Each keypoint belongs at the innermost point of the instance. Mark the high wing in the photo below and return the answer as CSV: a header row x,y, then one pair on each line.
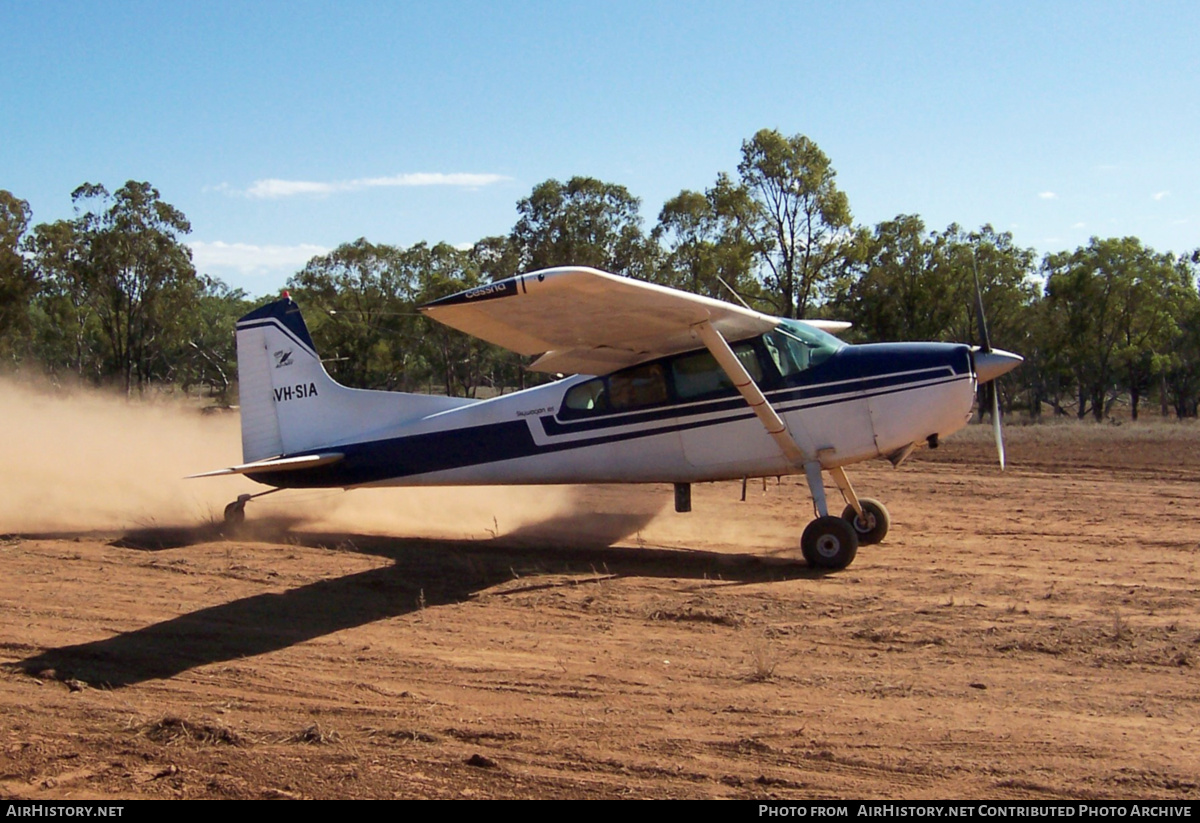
x,y
585,321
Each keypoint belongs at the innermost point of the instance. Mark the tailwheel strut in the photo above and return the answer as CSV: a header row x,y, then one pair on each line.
x,y
235,512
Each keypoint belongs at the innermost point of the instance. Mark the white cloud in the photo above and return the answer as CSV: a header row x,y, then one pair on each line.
x,y
271,189
1079,225
1159,195
249,259
1047,195
274,188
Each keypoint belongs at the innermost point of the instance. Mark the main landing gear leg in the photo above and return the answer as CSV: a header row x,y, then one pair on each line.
x,y
828,542
235,512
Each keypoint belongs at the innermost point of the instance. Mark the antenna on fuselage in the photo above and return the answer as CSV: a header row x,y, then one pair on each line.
x,y
731,291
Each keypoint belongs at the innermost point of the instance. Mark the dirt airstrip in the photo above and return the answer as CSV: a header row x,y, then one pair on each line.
x,y
1030,634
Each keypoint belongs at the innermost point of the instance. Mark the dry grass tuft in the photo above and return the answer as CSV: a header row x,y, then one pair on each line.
x,y
764,659
171,730
314,735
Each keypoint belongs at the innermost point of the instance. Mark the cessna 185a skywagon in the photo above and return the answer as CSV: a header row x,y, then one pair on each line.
x,y
669,387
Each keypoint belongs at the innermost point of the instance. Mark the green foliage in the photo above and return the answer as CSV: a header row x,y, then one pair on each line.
x,y
360,307
1113,310
118,287
18,280
789,206
583,223
704,246
206,350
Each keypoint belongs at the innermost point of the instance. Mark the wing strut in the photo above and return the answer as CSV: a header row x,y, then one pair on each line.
x,y
772,422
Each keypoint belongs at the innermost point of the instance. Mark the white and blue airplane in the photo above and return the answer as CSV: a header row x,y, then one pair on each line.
x,y
668,387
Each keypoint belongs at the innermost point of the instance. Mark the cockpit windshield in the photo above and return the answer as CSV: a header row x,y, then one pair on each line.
x,y
797,346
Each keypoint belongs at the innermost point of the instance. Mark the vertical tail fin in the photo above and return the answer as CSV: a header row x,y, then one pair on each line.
x,y
290,403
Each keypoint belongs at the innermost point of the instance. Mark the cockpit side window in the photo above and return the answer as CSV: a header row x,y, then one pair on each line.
x,y
699,375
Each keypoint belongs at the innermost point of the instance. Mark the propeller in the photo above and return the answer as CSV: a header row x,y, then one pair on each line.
x,y
989,364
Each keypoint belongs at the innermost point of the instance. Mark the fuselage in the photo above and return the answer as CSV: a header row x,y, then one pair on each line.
x,y
675,419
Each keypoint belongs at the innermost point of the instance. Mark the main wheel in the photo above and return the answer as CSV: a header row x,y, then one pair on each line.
x,y
872,527
829,543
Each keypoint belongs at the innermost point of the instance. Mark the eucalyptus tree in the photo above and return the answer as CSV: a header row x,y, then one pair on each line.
x,y
1114,307
459,363
702,246
18,281
897,288
788,203
584,222
121,278
1179,382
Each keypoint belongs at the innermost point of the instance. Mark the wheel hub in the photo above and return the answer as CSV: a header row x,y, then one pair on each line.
x,y
864,522
828,546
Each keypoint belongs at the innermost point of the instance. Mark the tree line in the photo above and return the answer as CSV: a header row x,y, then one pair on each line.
x,y
111,296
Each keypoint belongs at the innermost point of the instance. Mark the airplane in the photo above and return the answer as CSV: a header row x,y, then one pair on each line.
x,y
667,387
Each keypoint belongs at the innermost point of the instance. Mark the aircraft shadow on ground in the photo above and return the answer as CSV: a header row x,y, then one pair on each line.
x,y
423,573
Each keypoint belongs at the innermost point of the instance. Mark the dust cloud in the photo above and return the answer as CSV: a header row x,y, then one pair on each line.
x,y
90,461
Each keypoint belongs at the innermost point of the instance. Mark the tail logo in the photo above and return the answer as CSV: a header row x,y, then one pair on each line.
x,y
283,358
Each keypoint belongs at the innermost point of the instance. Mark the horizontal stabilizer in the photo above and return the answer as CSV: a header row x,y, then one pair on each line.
x,y
278,464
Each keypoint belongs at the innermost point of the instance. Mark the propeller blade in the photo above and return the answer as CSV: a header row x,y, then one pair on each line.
x,y
985,343
996,430
990,364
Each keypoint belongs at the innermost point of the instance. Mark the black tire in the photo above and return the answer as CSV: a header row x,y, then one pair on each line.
x,y
235,514
829,543
878,521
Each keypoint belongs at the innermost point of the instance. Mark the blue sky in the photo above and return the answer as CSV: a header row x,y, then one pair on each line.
x,y
284,129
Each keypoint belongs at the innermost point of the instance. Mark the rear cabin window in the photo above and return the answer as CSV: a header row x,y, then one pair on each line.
x,y
637,387
587,397
626,390
693,376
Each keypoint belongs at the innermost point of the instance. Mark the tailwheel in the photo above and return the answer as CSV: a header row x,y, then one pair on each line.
x,y
872,527
235,512
829,543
